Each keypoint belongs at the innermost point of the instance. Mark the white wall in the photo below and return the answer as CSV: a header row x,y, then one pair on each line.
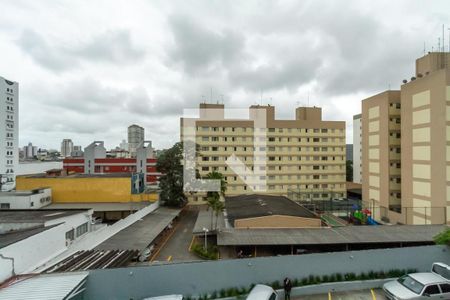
x,y
357,151
33,251
20,201
38,249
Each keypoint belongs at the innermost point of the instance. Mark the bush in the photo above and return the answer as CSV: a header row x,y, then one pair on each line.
x,y
211,253
443,238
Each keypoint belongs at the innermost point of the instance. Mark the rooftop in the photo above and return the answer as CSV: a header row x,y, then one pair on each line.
x,y
327,236
15,236
101,206
141,233
251,206
22,192
79,175
36,216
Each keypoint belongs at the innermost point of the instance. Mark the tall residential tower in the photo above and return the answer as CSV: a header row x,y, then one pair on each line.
x,y
406,147
9,120
136,135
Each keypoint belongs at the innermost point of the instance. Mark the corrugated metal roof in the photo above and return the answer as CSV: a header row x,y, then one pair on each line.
x,y
338,235
45,287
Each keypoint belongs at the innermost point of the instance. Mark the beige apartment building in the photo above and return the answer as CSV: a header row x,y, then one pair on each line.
x,y
303,158
406,147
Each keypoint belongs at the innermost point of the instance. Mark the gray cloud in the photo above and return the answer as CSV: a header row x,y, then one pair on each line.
x,y
111,46
199,49
91,80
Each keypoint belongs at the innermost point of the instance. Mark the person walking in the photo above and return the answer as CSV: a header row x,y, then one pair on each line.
x,y
287,288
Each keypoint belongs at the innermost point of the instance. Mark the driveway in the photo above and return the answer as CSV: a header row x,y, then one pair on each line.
x,y
176,247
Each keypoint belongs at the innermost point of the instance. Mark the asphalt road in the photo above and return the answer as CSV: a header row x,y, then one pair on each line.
x,y
176,248
352,295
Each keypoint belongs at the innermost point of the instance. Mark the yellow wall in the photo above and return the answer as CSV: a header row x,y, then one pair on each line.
x,y
69,189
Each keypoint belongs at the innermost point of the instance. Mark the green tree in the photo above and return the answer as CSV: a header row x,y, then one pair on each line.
x,y
218,208
213,197
349,170
171,182
443,238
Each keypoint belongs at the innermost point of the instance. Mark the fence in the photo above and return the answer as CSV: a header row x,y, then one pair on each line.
x,y
207,277
408,215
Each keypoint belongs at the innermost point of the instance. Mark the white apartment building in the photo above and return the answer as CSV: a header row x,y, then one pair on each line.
x,y
9,120
136,135
357,163
66,147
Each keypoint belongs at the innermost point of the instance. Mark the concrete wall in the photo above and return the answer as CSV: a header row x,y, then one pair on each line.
x,y
70,189
22,201
357,149
277,221
198,278
33,251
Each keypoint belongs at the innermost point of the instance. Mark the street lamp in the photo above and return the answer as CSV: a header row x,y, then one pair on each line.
x,y
206,232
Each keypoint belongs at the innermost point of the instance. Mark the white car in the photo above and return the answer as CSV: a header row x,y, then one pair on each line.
x,y
415,286
262,292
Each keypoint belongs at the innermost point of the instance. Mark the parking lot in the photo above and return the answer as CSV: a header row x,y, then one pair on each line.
x,y
375,294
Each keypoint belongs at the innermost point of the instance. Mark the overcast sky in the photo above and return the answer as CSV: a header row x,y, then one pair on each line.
x,y
88,69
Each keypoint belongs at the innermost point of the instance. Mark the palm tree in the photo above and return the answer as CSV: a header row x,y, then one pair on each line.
x,y
218,208
213,198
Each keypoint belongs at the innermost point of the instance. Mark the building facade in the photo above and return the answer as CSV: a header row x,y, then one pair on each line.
x,y
9,118
357,173
66,147
406,147
30,151
303,158
381,152
136,135
95,161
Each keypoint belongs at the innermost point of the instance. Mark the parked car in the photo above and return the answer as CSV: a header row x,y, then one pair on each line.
x,y
427,285
262,292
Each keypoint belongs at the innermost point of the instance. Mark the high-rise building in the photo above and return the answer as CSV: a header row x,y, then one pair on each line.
x,y
357,174
66,147
30,151
406,147
9,119
136,135
303,158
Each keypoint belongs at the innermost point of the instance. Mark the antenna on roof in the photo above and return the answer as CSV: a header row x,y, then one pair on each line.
x,y
424,48
443,39
210,98
308,98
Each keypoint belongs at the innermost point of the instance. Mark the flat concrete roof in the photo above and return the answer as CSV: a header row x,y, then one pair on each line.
x,y
141,233
323,236
78,175
36,215
100,206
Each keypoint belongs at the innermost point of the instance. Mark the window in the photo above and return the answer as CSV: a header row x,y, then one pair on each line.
x,y
5,205
82,229
445,287
431,290
205,168
70,235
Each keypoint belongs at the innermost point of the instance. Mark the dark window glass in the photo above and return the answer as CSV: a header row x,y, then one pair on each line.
x,y
431,290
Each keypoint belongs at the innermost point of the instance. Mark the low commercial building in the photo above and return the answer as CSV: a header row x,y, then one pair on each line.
x,y
95,161
32,199
90,188
30,238
267,211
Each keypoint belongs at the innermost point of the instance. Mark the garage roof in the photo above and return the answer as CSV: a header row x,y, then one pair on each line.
x,y
255,205
338,235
